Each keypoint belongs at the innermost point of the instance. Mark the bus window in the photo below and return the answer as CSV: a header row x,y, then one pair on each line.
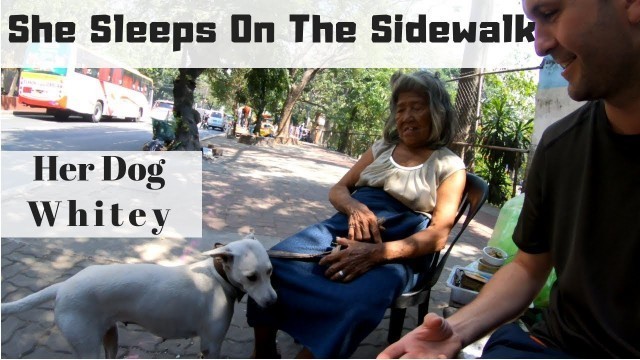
x,y
103,74
116,76
127,81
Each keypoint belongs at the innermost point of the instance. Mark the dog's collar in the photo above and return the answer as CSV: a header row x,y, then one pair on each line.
x,y
217,264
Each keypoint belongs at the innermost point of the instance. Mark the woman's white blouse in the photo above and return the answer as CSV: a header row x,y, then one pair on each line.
x,y
416,186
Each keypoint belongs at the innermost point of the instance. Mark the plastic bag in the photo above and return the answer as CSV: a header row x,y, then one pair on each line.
x,y
502,238
162,130
542,300
506,223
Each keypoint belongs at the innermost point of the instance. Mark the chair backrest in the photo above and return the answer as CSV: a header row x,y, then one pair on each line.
x,y
476,192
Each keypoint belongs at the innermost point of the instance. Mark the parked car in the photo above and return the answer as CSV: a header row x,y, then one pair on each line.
x,y
162,110
216,120
162,121
167,104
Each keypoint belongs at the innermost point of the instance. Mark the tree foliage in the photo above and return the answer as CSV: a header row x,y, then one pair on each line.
x,y
298,81
354,102
162,81
228,88
266,89
507,121
355,105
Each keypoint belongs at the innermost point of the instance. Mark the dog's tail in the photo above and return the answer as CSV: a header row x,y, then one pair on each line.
x,y
31,301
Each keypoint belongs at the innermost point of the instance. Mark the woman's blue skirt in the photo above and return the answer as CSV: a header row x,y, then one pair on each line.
x,y
332,318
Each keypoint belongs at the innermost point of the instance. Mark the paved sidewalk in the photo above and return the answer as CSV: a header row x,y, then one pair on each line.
x,y
273,190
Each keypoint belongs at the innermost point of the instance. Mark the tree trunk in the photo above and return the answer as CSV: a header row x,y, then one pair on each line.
x,y
292,97
186,117
13,89
326,130
258,123
236,105
316,132
260,108
345,140
516,169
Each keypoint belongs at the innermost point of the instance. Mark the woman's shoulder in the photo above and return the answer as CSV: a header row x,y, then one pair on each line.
x,y
446,153
380,146
445,156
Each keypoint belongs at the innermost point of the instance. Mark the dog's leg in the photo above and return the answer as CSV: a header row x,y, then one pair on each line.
x,y
83,333
211,344
110,342
210,350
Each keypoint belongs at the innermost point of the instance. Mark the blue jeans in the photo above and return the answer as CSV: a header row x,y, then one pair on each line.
x,y
511,342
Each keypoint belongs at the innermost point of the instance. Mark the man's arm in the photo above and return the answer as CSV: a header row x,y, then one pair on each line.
x,y
503,298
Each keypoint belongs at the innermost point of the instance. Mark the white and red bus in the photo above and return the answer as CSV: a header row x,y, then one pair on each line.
x,y
95,93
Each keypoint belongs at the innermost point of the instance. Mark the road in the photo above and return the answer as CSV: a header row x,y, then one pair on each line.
x,y
36,132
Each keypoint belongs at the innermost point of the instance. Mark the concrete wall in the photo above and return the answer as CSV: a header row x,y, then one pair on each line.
x,y
552,100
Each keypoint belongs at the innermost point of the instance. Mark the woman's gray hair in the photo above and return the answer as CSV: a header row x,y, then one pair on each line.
x,y
444,122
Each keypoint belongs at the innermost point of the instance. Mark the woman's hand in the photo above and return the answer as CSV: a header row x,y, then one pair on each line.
x,y
434,339
352,261
363,225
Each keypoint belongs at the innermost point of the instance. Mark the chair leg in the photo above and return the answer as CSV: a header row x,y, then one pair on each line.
x,y
423,308
396,323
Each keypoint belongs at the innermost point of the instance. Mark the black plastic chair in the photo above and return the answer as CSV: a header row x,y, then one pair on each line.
x,y
475,194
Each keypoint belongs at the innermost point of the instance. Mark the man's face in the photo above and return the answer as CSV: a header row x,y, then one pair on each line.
x,y
592,40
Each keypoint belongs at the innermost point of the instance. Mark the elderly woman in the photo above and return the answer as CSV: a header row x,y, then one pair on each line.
x,y
385,201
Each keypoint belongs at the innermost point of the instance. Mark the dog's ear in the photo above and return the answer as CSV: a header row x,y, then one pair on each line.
x,y
223,252
217,245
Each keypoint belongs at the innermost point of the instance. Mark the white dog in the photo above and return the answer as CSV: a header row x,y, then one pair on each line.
x,y
171,302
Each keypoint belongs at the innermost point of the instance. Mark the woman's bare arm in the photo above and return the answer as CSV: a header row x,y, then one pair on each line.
x,y
363,224
359,257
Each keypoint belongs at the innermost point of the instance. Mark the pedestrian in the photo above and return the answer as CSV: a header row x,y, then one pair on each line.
x,y
246,115
410,179
203,123
580,212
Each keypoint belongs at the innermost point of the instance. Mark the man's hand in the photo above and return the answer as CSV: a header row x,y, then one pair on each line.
x,y
433,339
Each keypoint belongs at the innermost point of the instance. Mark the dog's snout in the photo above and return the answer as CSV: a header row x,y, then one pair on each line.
x,y
270,299
273,299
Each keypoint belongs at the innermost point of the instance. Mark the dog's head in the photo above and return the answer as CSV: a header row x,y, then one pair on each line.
x,y
247,266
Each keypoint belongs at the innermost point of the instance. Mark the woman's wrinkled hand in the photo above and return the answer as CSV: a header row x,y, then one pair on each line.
x,y
433,339
364,225
353,260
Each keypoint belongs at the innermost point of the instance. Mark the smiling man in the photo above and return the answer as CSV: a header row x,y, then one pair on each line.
x,y
580,212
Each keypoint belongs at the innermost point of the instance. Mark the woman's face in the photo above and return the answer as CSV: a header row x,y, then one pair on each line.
x,y
413,119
